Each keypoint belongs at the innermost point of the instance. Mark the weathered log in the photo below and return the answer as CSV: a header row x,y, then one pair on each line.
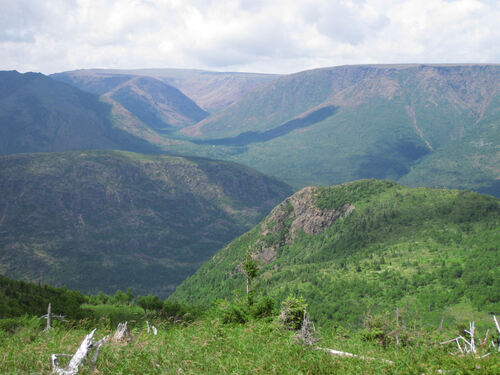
x,y
347,354
151,328
97,347
80,355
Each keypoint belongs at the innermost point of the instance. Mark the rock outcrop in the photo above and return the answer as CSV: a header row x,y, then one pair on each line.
x,y
296,214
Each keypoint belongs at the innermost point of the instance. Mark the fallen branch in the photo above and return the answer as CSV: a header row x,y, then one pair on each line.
x,y
347,354
98,346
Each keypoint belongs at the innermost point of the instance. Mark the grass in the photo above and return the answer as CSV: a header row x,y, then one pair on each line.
x,y
208,346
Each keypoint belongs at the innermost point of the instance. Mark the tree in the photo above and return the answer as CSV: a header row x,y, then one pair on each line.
x,y
250,270
120,298
130,296
150,302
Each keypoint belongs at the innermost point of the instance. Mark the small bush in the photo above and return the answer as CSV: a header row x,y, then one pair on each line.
x,y
263,308
231,312
11,325
292,313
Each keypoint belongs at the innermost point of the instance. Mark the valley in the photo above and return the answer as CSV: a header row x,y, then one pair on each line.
x,y
108,220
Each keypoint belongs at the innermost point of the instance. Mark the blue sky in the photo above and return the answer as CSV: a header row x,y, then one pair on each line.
x,y
279,36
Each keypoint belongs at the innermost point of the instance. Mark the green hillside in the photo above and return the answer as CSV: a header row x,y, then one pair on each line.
x,y
384,120
103,220
367,247
469,162
422,125
39,114
157,104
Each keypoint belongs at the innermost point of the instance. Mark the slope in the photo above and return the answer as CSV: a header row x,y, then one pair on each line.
x,y
469,162
103,220
160,106
212,91
40,114
338,124
367,247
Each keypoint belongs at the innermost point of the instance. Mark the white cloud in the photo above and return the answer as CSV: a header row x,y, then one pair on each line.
x,y
243,35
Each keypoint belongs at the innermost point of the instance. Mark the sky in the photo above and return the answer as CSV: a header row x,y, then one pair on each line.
x,y
273,36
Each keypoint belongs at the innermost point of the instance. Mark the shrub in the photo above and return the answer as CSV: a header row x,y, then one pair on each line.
x,y
292,313
263,308
231,312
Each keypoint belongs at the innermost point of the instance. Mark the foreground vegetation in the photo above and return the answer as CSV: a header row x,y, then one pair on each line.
x,y
397,272
216,344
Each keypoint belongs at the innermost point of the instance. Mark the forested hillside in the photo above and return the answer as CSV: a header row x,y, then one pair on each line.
x,y
428,125
105,220
366,247
39,114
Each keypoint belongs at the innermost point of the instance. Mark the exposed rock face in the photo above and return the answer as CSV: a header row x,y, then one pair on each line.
x,y
295,214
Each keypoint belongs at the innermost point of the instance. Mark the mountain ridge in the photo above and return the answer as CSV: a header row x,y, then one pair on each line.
x,y
127,219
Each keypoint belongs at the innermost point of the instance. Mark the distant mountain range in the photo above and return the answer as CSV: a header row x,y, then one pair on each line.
x,y
366,248
212,91
103,220
430,125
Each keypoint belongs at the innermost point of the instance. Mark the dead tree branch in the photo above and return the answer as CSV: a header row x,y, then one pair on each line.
x,y
121,333
49,316
80,355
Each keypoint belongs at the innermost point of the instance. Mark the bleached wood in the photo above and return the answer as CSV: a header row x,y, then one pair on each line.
x,y
347,354
498,329
97,347
496,323
76,359
121,332
49,316
48,327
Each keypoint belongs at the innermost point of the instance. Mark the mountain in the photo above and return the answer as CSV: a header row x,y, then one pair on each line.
x,y
103,220
39,114
366,247
160,106
471,161
333,125
212,91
